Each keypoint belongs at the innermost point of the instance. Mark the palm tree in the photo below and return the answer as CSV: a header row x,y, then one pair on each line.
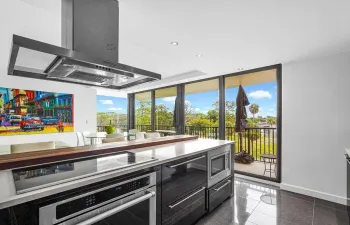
x,y
271,120
254,109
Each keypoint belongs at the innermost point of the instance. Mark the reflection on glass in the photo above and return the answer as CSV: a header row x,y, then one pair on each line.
x,y
217,165
42,171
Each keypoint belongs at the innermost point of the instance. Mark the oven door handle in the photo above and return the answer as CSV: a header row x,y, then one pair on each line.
x,y
191,160
224,185
111,212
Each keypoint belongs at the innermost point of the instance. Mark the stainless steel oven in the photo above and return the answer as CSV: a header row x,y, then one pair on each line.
x,y
132,201
219,164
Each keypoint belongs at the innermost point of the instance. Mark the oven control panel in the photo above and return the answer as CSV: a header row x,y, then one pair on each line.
x,y
78,204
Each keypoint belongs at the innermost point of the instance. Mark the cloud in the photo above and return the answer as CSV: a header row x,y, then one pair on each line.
x,y
260,94
170,99
187,102
114,109
106,102
271,109
197,109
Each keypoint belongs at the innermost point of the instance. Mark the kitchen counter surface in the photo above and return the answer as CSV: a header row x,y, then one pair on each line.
x,y
31,158
104,170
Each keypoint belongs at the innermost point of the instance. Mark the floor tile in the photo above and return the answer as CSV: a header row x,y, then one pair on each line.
x,y
330,204
296,195
246,203
331,216
248,193
248,207
262,219
267,209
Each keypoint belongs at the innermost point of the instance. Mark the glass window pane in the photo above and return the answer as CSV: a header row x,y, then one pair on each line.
x,y
112,111
165,106
202,109
259,137
143,106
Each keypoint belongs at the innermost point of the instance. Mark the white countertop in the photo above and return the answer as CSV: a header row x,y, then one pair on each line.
x,y
164,153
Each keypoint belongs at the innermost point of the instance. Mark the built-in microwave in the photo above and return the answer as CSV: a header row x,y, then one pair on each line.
x,y
219,164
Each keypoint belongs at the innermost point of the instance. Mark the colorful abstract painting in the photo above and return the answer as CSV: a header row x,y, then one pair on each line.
x,y
35,112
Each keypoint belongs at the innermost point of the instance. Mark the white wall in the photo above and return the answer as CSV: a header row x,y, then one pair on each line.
x,y
316,126
41,20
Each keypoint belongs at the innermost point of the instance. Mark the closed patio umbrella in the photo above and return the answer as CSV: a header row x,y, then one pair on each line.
x,y
174,114
241,112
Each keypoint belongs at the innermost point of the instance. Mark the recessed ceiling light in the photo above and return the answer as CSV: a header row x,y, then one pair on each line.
x,y
199,55
174,43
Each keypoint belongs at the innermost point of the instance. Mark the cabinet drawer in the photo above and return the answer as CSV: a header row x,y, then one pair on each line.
x,y
182,176
185,210
219,193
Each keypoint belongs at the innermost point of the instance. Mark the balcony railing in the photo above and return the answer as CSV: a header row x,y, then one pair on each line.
x,y
256,141
103,128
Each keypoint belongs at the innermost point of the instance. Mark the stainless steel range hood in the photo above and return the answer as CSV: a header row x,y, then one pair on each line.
x,y
89,56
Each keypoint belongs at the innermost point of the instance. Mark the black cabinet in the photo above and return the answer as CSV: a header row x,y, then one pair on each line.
x,y
219,193
185,210
183,176
184,190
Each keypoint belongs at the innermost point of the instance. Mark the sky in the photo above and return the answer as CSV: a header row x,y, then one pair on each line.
x,y
262,94
265,95
111,104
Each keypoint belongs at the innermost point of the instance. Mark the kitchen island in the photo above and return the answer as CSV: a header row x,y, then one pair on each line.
x,y
179,171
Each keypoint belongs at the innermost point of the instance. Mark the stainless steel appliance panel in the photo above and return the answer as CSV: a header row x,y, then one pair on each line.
x,y
219,164
133,200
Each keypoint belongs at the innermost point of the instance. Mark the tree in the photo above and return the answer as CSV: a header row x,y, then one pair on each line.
x,y
254,109
230,110
200,123
164,117
107,118
213,115
271,120
143,112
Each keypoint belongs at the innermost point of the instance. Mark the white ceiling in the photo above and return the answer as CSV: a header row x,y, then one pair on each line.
x,y
230,34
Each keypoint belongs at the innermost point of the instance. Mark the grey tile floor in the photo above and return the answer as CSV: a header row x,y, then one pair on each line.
x,y
260,204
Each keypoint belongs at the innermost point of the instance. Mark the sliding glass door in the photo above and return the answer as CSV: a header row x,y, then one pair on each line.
x,y
208,108
256,145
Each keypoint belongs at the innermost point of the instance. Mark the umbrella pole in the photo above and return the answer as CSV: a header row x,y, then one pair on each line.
x,y
240,142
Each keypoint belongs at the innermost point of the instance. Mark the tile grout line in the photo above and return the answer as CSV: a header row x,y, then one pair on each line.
x,y
313,212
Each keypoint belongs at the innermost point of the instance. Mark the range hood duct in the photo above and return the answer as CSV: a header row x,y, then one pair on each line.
x,y
89,52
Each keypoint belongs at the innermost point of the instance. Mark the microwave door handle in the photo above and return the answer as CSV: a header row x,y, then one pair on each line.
x,y
224,185
117,209
191,160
